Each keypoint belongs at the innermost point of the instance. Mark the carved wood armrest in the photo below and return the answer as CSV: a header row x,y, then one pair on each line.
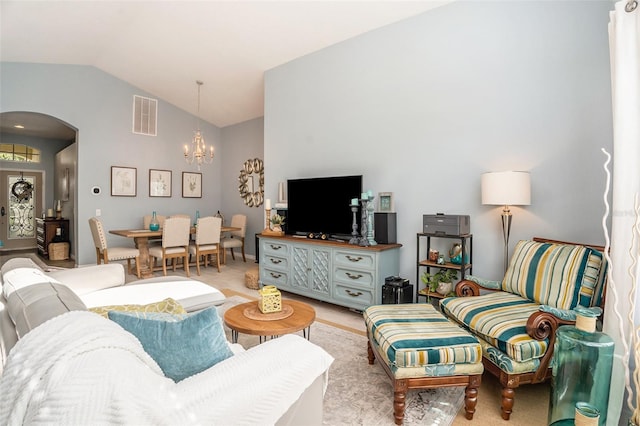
x,y
467,288
541,326
471,288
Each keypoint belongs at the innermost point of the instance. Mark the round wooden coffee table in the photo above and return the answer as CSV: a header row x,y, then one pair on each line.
x,y
243,319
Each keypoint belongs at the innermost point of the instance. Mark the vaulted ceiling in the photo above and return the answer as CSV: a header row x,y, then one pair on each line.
x,y
163,47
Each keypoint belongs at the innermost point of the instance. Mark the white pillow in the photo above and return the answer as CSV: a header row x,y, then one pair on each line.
x,y
23,277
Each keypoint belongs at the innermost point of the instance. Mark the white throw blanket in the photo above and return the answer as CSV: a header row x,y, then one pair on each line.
x,y
80,368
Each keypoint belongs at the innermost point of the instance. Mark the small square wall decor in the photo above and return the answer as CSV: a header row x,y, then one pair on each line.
x,y
159,183
385,201
191,185
124,181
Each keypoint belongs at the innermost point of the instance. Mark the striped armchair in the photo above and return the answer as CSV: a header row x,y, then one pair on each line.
x,y
515,319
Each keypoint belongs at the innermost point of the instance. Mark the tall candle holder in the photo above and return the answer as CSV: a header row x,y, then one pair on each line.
x,y
370,230
354,226
364,228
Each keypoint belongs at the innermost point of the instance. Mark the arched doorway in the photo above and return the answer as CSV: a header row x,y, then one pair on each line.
x,y
56,142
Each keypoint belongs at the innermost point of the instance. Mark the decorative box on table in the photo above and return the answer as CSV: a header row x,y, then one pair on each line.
x,y
270,299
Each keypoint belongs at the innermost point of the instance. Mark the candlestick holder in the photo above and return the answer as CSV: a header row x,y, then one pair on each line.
x,y
267,226
354,226
370,225
364,227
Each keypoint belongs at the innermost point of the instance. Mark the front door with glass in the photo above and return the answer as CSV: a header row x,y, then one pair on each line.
x,y
20,203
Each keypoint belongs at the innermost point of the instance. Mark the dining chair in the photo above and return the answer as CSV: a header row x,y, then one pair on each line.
x,y
207,241
104,254
175,244
235,238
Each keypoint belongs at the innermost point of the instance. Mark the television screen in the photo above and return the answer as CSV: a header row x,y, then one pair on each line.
x,y
322,205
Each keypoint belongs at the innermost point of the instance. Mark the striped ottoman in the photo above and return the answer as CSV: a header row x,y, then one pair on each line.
x,y
419,348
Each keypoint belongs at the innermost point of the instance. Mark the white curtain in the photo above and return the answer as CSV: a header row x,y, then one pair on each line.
x,y
622,309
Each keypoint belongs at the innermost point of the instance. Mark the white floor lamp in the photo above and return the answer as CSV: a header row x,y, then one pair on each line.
x,y
506,189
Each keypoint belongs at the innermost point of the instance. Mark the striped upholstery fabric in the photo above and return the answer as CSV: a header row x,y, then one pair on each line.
x,y
499,318
557,275
416,336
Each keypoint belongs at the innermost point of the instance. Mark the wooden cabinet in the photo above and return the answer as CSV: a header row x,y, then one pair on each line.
x,y
334,272
425,264
47,231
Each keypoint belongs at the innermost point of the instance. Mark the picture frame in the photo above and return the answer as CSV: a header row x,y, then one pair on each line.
x,y
124,181
385,202
191,185
159,183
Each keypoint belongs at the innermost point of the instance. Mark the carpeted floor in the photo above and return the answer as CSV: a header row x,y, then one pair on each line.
x,y
361,394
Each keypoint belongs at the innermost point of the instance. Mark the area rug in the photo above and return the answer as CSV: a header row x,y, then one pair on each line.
x,y
359,393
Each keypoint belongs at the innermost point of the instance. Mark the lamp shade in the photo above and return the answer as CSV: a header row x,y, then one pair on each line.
x,y
506,188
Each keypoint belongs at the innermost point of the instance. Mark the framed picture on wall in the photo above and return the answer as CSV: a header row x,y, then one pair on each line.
x,y
159,183
124,181
191,185
385,201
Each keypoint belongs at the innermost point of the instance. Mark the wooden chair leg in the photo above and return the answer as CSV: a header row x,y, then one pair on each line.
x,y
198,262
218,260
233,255
244,259
98,257
164,267
507,402
186,264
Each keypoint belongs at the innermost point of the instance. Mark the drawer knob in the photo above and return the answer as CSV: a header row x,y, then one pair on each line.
x,y
276,276
276,261
354,259
275,247
354,277
353,294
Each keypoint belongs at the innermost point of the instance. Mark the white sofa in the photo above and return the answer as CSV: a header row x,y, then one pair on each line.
x,y
86,369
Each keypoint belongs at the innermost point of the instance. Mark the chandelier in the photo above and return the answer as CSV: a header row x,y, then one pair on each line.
x,y
198,153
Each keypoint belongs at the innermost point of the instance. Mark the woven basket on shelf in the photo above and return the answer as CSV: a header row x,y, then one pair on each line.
x,y
58,251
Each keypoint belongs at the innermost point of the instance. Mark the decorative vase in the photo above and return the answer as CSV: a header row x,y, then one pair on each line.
x,y
581,374
154,225
444,288
277,228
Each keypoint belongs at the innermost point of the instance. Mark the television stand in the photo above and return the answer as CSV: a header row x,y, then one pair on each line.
x,y
331,271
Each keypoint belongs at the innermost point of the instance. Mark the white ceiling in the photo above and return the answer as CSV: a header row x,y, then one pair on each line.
x,y
163,47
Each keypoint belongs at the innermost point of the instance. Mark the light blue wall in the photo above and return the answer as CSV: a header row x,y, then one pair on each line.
x,y
100,107
242,142
423,107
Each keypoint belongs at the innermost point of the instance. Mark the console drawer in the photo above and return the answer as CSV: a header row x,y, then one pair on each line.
x,y
274,277
351,259
353,297
276,248
275,262
353,276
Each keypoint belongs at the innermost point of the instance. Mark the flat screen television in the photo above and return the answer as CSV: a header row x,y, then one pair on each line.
x,y
322,205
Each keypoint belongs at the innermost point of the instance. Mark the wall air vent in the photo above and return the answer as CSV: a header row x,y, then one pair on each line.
x,y
145,115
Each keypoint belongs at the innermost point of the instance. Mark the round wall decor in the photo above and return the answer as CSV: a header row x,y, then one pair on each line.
x,y
251,182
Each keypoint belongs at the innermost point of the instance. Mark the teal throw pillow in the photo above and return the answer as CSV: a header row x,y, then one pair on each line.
x,y
181,344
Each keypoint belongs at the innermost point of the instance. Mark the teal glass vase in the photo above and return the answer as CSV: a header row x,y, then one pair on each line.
x,y
581,372
154,225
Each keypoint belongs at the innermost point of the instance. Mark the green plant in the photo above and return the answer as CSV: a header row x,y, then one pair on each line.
x,y
442,276
276,219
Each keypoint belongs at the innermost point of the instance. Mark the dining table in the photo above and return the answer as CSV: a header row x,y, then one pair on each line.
x,y
141,239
